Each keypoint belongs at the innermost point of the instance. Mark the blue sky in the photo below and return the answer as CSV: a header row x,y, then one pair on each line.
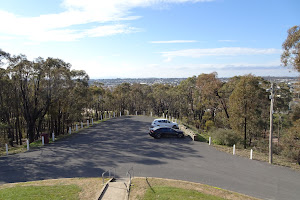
x,y
152,38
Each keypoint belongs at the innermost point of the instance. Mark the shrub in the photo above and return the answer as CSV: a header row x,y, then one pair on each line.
x,y
225,137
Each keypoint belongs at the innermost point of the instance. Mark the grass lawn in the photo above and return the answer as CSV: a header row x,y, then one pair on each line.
x,y
65,189
163,192
161,189
41,192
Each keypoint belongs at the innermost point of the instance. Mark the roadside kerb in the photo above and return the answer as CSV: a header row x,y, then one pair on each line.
x,y
102,192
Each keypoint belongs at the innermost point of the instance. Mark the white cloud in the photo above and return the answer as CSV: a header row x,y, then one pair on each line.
x,y
173,41
57,26
225,51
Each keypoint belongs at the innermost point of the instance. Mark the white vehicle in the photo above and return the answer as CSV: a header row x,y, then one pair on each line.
x,y
164,123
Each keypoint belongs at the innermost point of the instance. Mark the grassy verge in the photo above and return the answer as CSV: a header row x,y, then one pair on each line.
x,y
257,155
73,188
277,159
38,143
156,188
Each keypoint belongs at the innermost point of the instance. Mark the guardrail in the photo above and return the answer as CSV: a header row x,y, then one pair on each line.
x,y
109,173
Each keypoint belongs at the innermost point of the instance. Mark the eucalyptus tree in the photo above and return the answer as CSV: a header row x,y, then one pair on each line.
x,y
291,48
246,108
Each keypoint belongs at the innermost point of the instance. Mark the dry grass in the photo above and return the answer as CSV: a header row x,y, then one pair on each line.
x,y
90,187
277,160
141,185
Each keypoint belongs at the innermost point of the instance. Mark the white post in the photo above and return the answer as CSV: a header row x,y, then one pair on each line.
x,y
209,141
101,117
105,115
127,112
163,115
175,120
144,113
120,114
87,123
135,112
81,125
170,118
27,142
6,147
251,154
151,114
43,140
109,115
233,150
92,121
53,137
114,114
70,130
76,127
166,116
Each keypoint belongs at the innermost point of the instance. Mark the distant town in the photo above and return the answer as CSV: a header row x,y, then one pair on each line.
x,y
176,81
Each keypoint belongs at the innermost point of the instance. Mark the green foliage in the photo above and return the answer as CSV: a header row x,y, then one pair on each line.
x,y
63,192
291,47
225,137
164,193
291,142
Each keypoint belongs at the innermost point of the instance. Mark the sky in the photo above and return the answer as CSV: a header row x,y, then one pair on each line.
x,y
152,38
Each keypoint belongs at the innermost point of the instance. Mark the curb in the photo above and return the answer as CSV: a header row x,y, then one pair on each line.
x,y
102,192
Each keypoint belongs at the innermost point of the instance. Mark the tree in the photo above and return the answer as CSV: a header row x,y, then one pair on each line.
x,y
246,108
291,47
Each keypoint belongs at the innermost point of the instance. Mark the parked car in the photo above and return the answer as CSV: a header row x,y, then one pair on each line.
x,y
164,123
158,132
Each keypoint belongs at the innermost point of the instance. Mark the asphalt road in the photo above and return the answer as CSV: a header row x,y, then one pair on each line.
x,y
124,143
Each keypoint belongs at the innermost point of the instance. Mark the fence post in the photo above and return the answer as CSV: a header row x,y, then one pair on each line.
x,y
81,125
87,123
209,141
70,130
233,150
27,142
251,154
6,148
43,140
76,127
53,137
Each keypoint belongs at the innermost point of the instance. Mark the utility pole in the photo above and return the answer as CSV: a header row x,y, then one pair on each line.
x,y
271,125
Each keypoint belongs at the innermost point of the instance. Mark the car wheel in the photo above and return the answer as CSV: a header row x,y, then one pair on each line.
x,y
158,136
180,135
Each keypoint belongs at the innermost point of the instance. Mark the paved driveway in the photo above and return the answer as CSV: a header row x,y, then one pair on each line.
x,y
124,143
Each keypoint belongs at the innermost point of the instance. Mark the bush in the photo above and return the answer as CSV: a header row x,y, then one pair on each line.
x,y
225,137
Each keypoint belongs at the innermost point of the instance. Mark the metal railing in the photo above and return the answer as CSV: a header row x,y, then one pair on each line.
x,y
130,173
109,173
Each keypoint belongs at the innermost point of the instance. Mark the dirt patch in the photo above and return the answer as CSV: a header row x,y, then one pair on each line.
x,y
90,187
141,185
